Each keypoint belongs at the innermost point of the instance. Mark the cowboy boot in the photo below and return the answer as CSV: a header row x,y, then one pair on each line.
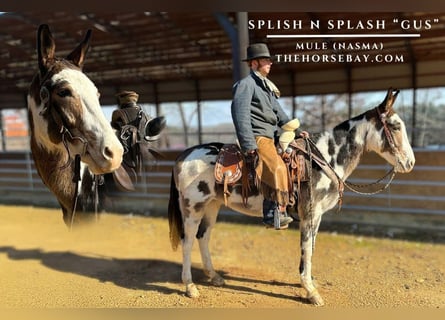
x,y
274,218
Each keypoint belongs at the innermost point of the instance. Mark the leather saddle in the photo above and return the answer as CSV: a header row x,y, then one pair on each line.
x,y
136,132
228,167
231,166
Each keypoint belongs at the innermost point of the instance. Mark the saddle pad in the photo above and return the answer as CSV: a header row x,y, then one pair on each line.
x,y
229,164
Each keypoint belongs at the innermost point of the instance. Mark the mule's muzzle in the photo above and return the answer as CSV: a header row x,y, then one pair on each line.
x,y
405,166
104,159
409,165
112,158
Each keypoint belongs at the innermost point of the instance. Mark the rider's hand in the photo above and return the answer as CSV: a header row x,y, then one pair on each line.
x,y
304,134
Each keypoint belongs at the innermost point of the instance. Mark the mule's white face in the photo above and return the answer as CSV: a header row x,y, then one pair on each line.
x,y
70,102
400,155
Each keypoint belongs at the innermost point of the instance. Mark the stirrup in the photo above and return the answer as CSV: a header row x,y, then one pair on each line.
x,y
277,220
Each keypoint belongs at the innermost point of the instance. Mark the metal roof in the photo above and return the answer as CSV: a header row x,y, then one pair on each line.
x,y
180,56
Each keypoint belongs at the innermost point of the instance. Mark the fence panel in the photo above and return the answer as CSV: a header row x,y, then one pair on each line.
x,y
413,200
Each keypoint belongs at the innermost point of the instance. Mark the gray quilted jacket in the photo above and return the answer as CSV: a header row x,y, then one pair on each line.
x,y
255,111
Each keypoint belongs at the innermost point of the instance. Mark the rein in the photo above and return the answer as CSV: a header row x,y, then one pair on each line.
x,y
64,131
332,174
352,186
76,180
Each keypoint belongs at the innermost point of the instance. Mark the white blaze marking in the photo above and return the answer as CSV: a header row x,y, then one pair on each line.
x,y
87,91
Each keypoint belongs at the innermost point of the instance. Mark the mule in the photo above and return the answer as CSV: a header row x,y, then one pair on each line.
x,y
195,198
70,137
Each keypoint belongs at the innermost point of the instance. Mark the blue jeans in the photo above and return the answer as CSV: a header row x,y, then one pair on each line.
x,y
269,207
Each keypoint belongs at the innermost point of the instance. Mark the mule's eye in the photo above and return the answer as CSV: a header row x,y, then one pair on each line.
x,y
64,93
394,126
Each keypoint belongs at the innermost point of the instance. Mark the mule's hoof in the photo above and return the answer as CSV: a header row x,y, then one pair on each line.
x,y
218,281
191,291
315,298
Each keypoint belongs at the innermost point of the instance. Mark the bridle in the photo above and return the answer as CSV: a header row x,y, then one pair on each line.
x,y
64,131
310,144
352,186
389,137
65,136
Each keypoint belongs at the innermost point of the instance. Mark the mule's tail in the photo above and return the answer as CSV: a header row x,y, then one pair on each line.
x,y
175,222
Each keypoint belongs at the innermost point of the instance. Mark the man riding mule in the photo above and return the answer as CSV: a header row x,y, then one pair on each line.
x,y
333,155
257,116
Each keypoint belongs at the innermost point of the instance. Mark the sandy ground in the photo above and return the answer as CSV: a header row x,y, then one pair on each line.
x,y
126,261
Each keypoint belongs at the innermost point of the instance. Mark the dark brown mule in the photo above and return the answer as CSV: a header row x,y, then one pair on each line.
x,y
70,136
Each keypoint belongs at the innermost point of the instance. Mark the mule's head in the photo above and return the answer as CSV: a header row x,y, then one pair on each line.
x,y
65,113
389,139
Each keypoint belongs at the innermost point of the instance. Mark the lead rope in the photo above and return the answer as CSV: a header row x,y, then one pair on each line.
x,y
76,179
76,176
96,196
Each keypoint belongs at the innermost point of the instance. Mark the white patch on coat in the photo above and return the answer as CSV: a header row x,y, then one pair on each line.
x,y
40,128
104,151
323,145
361,126
83,168
407,150
94,118
404,159
195,169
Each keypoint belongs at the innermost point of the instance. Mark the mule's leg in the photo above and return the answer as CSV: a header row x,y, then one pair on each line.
x,y
204,232
190,230
309,228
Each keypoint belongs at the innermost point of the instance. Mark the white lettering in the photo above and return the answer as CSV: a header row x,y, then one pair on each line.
x,y
358,25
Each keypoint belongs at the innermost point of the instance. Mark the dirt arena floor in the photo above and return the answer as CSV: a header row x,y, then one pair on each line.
x,y
125,261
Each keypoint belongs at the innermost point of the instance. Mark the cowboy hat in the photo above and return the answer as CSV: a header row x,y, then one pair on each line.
x,y
256,51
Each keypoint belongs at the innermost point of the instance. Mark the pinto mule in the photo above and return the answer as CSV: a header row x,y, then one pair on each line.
x,y
71,139
195,198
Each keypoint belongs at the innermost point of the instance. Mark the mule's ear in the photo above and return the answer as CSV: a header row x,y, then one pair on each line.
x,y
45,48
390,99
77,56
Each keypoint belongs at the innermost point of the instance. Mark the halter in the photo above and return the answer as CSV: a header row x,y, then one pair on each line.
x,y
388,134
45,98
353,186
